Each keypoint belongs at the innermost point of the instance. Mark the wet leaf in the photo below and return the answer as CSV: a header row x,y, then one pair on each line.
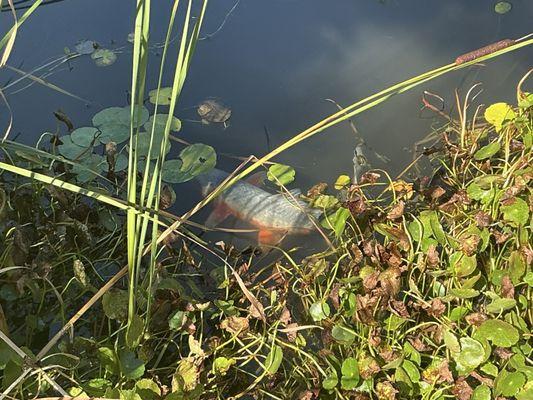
x,y
274,359
281,174
319,311
84,136
487,151
499,332
498,113
131,366
516,211
104,57
502,7
194,160
161,97
222,365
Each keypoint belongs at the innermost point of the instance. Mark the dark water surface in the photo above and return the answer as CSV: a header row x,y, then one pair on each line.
x,y
274,63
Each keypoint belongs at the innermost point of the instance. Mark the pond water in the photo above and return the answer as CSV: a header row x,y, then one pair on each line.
x,y
274,63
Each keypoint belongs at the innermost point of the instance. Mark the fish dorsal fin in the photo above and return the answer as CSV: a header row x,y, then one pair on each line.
x,y
257,179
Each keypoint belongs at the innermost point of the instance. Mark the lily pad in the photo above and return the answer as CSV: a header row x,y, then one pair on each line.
x,y
503,7
104,57
281,174
160,123
499,332
107,116
143,145
113,132
161,97
89,167
71,150
85,47
194,160
84,136
141,115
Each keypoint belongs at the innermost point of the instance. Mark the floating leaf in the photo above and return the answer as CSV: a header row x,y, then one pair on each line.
x,y
107,116
281,174
343,335
487,151
162,97
161,121
85,47
84,136
131,37
143,146
319,311
140,116
342,182
497,113
273,360
517,211
104,57
88,168
503,7
71,150
499,332
131,366
509,383
194,160
113,132
350,374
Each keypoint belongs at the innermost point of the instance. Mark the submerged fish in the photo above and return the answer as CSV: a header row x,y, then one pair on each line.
x,y
275,215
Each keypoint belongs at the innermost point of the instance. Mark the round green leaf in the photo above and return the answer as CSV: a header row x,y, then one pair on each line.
x,y
350,374
274,359
222,365
121,163
487,151
503,7
281,174
71,150
517,211
509,383
89,167
84,136
160,123
85,47
141,115
113,132
162,97
108,360
104,57
499,305
131,366
143,145
107,116
497,113
194,160
331,381
481,392
499,332
319,311
471,355
342,181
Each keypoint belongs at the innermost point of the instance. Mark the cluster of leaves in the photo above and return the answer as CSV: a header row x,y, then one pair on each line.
x,y
111,128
